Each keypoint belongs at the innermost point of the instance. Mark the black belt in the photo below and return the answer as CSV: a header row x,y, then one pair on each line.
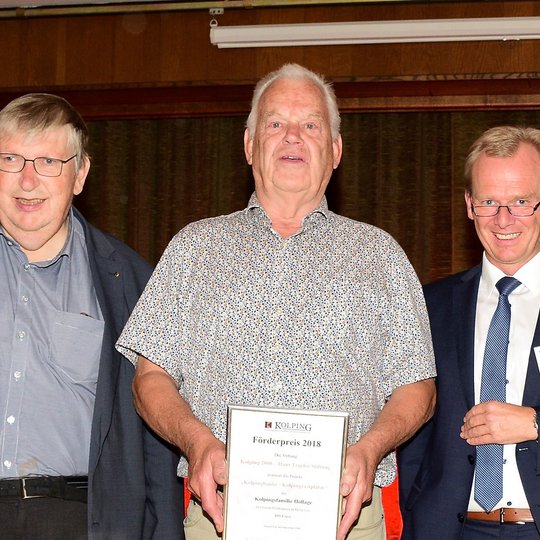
x,y
73,488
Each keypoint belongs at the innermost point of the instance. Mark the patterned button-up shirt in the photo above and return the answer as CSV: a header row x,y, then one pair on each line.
x,y
332,318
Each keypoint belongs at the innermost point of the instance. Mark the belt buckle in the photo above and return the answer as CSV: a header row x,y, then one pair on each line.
x,y
501,519
23,494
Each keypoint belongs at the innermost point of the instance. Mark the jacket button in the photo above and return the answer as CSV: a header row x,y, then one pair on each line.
x,y
461,517
470,457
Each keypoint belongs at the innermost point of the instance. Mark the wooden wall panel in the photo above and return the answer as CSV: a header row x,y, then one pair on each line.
x,y
89,46
173,48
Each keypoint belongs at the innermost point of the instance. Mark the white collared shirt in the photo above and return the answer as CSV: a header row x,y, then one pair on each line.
x,y
525,302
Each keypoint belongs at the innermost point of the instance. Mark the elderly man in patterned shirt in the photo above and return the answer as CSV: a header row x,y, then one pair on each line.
x,y
284,304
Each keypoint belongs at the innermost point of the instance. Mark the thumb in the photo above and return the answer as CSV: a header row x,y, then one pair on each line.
x,y
220,472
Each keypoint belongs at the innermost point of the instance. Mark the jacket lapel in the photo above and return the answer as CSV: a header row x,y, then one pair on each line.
x,y
465,298
531,393
109,293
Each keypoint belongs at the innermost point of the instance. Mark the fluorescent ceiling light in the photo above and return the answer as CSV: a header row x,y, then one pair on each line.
x,y
346,33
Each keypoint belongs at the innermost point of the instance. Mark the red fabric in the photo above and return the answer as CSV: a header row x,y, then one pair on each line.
x,y
391,511
390,504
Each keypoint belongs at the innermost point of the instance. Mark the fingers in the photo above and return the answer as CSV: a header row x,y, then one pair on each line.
x,y
481,424
351,508
207,473
356,488
500,423
213,506
219,471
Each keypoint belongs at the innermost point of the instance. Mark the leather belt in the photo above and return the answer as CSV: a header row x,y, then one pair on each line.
x,y
504,515
73,488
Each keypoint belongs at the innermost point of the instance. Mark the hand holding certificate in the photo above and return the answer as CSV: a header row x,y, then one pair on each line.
x,y
284,473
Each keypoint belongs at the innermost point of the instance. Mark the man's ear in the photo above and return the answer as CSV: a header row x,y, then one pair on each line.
x,y
81,175
337,148
248,146
468,202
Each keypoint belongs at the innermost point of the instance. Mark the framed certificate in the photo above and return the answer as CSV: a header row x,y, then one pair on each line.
x,y
285,470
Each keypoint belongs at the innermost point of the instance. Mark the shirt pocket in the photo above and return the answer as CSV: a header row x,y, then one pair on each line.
x,y
75,346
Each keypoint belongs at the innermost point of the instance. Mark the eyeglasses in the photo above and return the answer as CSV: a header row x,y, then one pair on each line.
x,y
46,166
515,210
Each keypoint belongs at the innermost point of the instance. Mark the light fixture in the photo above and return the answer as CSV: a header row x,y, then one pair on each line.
x,y
345,33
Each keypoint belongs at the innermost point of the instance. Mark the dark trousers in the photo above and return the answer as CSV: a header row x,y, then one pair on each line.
x,y
482,530
43,518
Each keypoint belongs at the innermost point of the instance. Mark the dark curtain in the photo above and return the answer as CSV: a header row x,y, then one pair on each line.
x,y
400,171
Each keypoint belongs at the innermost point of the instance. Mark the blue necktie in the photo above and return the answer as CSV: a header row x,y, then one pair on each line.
x,y
488,489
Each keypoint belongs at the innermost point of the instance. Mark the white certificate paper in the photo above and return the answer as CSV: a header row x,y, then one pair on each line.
x,y
285,469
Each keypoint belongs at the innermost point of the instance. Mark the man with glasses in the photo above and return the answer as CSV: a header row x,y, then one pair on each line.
x,y
76,461
473,472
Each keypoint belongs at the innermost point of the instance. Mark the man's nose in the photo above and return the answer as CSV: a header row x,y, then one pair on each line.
x,y
504,217
29,179
293,133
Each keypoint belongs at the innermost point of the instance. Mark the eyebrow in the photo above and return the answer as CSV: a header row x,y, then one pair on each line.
x,y
316,115
531,196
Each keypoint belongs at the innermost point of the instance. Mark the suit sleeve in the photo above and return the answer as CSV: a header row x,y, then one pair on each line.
x,y
162,481
409,457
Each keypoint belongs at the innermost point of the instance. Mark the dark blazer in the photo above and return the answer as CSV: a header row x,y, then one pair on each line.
x,y
133,490
436,466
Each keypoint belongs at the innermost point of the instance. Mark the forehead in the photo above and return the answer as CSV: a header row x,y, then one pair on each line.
x,y
55,139
293,94
523,165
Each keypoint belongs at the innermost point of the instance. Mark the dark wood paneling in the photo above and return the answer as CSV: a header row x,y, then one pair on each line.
x,y
173,48
186,101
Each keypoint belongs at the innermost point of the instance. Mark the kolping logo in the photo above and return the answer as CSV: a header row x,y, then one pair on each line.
x,y
287,426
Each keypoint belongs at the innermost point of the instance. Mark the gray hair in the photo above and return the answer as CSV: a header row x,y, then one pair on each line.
x,y
35,113
501,141
295,72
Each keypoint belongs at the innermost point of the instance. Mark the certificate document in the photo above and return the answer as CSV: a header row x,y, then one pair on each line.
x,y
284,473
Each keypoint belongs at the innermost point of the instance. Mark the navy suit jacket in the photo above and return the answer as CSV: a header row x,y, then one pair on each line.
x,y
133,490
436,466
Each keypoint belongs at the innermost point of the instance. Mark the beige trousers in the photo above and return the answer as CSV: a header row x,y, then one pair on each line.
x,y
370,525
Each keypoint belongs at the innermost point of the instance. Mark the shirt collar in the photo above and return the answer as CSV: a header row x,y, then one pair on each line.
x,y
322,209
66,250
527,275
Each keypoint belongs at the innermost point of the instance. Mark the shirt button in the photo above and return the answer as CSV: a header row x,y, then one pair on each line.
x,y
9,243
10,419
17,375
26,267
7,463
24,298
21,334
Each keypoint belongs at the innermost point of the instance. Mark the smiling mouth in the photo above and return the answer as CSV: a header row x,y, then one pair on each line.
x,y
292,158
509,236
30,202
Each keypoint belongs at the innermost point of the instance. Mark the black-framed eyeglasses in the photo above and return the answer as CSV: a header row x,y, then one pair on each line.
x,y
45,166
516,210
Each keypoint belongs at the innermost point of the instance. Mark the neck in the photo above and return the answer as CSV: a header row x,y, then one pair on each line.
x,y
38,247
287,213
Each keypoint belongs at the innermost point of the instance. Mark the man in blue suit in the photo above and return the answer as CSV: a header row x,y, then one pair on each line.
x,y
76,461
440,479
